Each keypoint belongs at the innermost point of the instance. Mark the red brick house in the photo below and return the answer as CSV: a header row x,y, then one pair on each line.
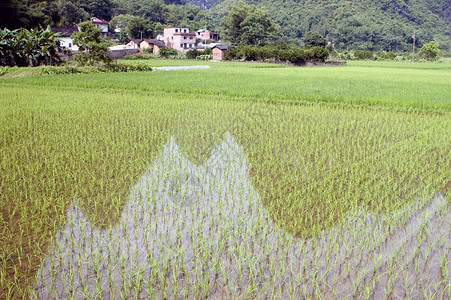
x,y
219,52
205,35
179,38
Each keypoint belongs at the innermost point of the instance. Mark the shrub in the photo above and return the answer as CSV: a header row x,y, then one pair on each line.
x,y
430,51
192,54
386,55
233,53
364,54
167,52
249,53
205,57
139,57
317,53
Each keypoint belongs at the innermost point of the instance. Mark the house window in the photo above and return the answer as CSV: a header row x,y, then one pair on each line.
x,y
176,30
70,45
190,37
184,30
184,37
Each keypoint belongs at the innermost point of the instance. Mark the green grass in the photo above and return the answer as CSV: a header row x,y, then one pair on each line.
x,y
381,142
376,86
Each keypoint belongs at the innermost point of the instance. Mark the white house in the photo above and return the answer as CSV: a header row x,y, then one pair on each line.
x,y
65,38
134,44
101,24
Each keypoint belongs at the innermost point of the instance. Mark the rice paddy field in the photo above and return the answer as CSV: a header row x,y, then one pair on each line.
x,y
243,181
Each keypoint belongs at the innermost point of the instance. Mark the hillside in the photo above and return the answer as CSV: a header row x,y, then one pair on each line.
x,y
365,24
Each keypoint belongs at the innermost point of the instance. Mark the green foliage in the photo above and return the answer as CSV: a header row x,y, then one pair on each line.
x,y
139,27
430,51
363,25
249,25
90,43
364,54
192,54
291,54
314,39
167,52
144,56
23,47
208,51
390,55
205,57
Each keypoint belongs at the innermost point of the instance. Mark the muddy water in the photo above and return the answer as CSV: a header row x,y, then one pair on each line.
x,y
200,231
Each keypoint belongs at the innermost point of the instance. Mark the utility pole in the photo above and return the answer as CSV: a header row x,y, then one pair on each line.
x,y
413,47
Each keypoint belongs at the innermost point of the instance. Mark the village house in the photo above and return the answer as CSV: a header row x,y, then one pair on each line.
x,y
65,38
102,25
179,38
219,51
66,33
153,44
207,35
134,44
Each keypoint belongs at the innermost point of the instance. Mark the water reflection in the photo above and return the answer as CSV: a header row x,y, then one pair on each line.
x,y
200,231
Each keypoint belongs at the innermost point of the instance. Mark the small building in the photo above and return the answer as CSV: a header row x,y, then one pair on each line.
x,y
179,38
134,44
102,25
65,38
219,51
207,35
153,44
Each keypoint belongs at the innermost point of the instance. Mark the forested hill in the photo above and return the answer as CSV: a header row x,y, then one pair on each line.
x,y
349,24
363,24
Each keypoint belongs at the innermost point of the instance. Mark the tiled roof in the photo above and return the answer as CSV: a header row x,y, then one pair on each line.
x,y
184,33
66,31
221,46
154,41
136,41
98,21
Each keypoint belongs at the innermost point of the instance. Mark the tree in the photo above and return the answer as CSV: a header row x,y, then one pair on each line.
x,y
102,9
155,11
249,24
90,41
70,13
314,39
138,27
430,51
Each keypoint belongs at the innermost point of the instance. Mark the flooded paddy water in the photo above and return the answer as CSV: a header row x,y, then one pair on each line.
x,y
201,231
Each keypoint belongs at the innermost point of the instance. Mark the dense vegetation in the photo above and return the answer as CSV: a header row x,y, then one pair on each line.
x,y
23,47
365,25
267,180
359,25
291,54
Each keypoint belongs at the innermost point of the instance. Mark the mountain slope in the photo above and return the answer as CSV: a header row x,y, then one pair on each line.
x,y
365,24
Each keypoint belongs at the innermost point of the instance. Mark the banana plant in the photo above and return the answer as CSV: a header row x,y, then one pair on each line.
x,y
23,47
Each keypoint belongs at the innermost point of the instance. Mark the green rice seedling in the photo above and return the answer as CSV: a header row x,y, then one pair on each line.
x,y
301,182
